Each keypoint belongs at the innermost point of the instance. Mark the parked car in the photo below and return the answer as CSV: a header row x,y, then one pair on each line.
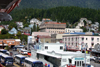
x,y
23,51
97,60
92,58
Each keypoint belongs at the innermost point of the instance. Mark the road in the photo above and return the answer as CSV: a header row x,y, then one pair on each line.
x,y
95,64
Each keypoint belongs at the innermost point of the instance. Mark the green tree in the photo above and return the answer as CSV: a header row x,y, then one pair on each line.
x,y
85,23
4,31
34,27
26,25
11,25
19,34
37,27
7,48
84,29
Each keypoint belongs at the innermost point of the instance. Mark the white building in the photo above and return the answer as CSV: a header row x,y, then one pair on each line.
x,y
34,35
81,23
74,42
53,54
34,20
72,30
19,24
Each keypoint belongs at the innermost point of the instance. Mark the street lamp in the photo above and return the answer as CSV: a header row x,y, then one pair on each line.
x,y
83,44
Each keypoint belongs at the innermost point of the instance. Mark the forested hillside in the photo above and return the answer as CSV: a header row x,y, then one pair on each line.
x,y
95,4
61,14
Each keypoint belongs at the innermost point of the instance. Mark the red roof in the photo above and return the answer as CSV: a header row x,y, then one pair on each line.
x,y
27,34
53,23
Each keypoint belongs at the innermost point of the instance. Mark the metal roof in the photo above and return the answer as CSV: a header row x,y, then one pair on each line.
x,y
20,56
31,59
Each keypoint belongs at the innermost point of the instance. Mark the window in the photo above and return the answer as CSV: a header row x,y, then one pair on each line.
x,y
61,47
82,39
69,39
76,44
46,47
76,39
72,39
92,44
72,43
12,42
64,60
65,39
92,39
98,39
86,39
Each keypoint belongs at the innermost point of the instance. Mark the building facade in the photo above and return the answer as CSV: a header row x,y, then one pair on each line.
x,y
35,34
53,27
75,42
72,30
36,21
19,24
9,42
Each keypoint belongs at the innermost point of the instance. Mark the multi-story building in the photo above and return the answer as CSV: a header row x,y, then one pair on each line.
x,y
41,34
53,38
44,39
75,42
53,27
9,42
36,21
72,30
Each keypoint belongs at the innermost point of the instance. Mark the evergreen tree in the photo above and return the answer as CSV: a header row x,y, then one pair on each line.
x,y
34,27
4,31
37,27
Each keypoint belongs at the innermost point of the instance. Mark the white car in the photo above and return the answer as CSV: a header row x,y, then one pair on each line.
x,y
23,51
92,58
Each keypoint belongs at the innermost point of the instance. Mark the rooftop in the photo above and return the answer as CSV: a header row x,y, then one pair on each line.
x,y
31,59
53,23
20,56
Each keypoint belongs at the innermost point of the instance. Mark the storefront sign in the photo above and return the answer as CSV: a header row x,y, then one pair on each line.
x,y
79,58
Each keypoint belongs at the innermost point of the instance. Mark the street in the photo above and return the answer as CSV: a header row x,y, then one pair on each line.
x,y
95,64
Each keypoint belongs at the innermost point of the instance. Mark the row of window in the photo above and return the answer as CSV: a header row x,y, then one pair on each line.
x,y
56,31
91,39
73,44
78,38
74,31
72,39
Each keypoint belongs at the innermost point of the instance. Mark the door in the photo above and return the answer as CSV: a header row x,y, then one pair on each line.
x,y
79,63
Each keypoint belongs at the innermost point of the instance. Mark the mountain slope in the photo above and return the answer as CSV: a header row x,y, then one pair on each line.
x,y
42,4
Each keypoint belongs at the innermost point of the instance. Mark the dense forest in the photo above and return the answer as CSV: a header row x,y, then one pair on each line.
x,y
44,4
60,14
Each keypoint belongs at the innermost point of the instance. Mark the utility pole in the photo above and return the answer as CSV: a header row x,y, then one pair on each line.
x,y
85,55
2,44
